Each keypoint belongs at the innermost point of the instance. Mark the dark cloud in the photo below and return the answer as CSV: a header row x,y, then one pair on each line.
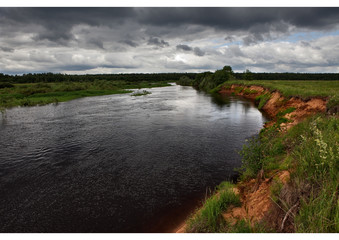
x,y
240,18
157,42
7,49
184,47
81,34
57,23
96,42
198,52
129,42
229,38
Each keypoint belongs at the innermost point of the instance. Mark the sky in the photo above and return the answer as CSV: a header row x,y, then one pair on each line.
x,y
168,39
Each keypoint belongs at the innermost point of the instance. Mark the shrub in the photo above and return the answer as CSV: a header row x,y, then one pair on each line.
x,y
209,218
6,85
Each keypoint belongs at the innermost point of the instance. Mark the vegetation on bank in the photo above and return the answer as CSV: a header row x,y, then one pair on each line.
x,y
31,94
209,218
309,151
207,80
303,89
309,201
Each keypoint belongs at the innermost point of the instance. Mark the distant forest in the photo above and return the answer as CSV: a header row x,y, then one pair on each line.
x,y
136,77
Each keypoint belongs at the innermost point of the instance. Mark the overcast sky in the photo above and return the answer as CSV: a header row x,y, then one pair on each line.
x,y
122,40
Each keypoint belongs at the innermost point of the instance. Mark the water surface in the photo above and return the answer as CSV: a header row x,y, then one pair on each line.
x,y
118,163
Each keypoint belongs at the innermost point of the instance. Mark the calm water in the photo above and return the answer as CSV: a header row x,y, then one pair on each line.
x,y
118,163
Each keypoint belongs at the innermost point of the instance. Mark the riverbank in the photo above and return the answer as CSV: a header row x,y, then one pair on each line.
x,y
289,172
31,94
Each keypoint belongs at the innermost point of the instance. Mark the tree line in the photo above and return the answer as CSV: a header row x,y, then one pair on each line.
x,y
58,77
210,77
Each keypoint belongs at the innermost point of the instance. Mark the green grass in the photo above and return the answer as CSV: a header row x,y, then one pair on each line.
x,y
209,218
310,150
303,89
43,93
262,100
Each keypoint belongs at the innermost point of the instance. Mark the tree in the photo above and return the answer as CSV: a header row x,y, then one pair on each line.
x,y
248,75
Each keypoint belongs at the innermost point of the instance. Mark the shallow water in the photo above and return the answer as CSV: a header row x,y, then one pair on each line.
x,y
118,163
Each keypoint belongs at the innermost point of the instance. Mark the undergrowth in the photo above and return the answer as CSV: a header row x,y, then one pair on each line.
x,y
310,151
209,218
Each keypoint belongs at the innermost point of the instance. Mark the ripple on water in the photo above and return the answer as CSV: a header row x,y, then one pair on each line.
x,y
118,163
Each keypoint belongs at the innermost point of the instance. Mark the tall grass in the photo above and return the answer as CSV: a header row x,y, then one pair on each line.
x,y
209,218
310,150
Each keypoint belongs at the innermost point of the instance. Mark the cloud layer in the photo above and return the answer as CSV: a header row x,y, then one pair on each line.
x,y
112,40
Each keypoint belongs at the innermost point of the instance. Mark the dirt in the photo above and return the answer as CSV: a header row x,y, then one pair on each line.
x,y
255,199
278,103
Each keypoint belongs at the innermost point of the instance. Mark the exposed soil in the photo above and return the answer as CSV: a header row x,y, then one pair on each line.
x,y
255,199
278,103
257,204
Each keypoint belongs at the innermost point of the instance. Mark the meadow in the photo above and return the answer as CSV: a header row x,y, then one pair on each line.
x,y
30,94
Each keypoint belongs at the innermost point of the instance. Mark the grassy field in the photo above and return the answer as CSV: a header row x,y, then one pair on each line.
x,y
43,93
302,89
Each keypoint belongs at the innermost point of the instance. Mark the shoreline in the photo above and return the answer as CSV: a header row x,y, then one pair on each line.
x,y
255,193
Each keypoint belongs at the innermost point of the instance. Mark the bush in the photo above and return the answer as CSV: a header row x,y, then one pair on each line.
x,y
6,85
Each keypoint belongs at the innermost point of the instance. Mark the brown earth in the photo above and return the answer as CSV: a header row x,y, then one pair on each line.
x,y
255,199
278,103
255,193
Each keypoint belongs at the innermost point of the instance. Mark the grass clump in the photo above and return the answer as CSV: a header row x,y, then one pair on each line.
x,y
262,99
140,93
209,218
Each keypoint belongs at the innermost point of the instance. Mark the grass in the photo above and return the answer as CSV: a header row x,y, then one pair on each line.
x,y
310,150
44,93
209,218
303,89
262,99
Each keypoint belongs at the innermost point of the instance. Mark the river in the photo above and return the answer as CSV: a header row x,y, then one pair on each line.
x,y
118,163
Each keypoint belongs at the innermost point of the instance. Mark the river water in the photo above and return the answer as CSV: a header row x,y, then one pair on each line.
x,y
118,163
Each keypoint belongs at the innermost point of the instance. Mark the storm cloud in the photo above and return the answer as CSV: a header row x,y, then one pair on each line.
x,y
105,40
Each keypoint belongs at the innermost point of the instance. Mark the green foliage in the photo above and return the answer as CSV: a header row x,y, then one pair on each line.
x,y
252,156
243,226
6,85
185,81
248,75
262,99
238,90
209,81
44,93
319,213
249,91
209,218
286,111
275,189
